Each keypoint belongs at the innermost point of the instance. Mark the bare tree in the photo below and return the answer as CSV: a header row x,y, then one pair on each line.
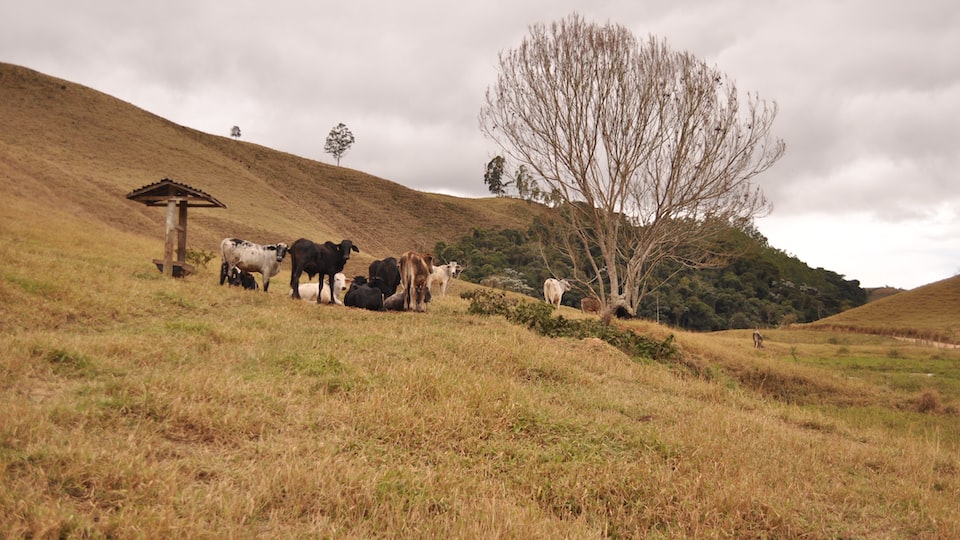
x,y
645,153
339,141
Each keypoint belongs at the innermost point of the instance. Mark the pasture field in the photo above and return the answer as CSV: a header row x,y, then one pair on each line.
x,y
139,406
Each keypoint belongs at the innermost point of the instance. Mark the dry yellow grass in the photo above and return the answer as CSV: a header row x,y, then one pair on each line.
x,y
139,406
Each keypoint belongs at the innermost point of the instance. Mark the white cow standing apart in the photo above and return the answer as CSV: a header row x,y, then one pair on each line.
x,y
443,275
309,291
553,290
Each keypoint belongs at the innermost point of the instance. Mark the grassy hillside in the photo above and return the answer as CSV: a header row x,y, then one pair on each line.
x,y
931,313
80,150
139,406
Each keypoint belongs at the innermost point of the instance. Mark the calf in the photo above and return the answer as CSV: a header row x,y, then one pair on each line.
x,y
757,339
325,259
364,294
414,273
309,291
553,290
249,257
590,305
388,270
395,301
443,274
238,278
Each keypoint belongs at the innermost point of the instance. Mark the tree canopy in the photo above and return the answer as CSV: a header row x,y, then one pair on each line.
x,y
339,141
758,287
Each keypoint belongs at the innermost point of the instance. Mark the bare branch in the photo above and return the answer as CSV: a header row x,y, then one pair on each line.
x,y
648,153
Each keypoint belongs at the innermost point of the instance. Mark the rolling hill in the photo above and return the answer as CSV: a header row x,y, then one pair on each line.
x,y
72,148
928,313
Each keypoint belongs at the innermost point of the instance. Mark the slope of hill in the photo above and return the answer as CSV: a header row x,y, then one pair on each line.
x,y
878,293
80,150
930,313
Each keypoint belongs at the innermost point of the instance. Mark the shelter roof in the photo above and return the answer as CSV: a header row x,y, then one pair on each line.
x,y
158,193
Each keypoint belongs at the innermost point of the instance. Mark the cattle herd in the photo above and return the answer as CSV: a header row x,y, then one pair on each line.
x,y
413,272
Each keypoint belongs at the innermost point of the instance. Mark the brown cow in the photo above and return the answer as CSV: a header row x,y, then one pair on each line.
x,y
414,274
590,305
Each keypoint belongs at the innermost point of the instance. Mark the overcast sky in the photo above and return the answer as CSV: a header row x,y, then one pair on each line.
x,y
868,92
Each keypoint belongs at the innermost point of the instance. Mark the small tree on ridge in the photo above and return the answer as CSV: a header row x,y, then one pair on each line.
x,y
339,141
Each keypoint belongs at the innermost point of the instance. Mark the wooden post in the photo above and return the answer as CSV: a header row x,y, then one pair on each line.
x,y
182,232
171,230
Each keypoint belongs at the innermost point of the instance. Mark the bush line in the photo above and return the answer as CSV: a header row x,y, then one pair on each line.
x,y
538,316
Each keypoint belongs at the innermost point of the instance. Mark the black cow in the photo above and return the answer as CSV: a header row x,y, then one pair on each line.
x,y
364,294
388,270
325,259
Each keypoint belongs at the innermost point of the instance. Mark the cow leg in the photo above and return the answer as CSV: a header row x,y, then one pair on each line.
x,y
421,307
266,282
329,284
224,271
295,284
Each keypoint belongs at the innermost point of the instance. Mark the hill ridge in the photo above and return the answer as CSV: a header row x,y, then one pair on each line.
x,y
81,149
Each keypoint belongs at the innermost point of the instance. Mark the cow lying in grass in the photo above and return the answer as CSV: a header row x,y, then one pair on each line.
x,y
309,291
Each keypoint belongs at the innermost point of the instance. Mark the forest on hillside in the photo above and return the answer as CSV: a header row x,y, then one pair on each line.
x,y
758,287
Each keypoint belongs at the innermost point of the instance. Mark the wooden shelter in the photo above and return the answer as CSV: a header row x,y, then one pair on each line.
x,y
174,195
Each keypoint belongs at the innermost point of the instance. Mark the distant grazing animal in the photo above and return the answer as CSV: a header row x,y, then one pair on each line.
x,y
325,259
590,305
309,291
249,257
364,294
395,301
757,339
553,290
414,273
388,270
443,274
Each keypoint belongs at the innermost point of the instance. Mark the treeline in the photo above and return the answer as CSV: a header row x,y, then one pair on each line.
x,y
759,287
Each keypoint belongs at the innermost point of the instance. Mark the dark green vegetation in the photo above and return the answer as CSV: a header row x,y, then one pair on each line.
x,y
758,287
539,317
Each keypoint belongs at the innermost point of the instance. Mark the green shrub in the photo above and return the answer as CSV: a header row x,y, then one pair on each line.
x,y
538,316
199,257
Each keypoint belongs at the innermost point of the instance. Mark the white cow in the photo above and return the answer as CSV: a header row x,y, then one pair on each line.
x,y
250,257
443,275
553,290
309,291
